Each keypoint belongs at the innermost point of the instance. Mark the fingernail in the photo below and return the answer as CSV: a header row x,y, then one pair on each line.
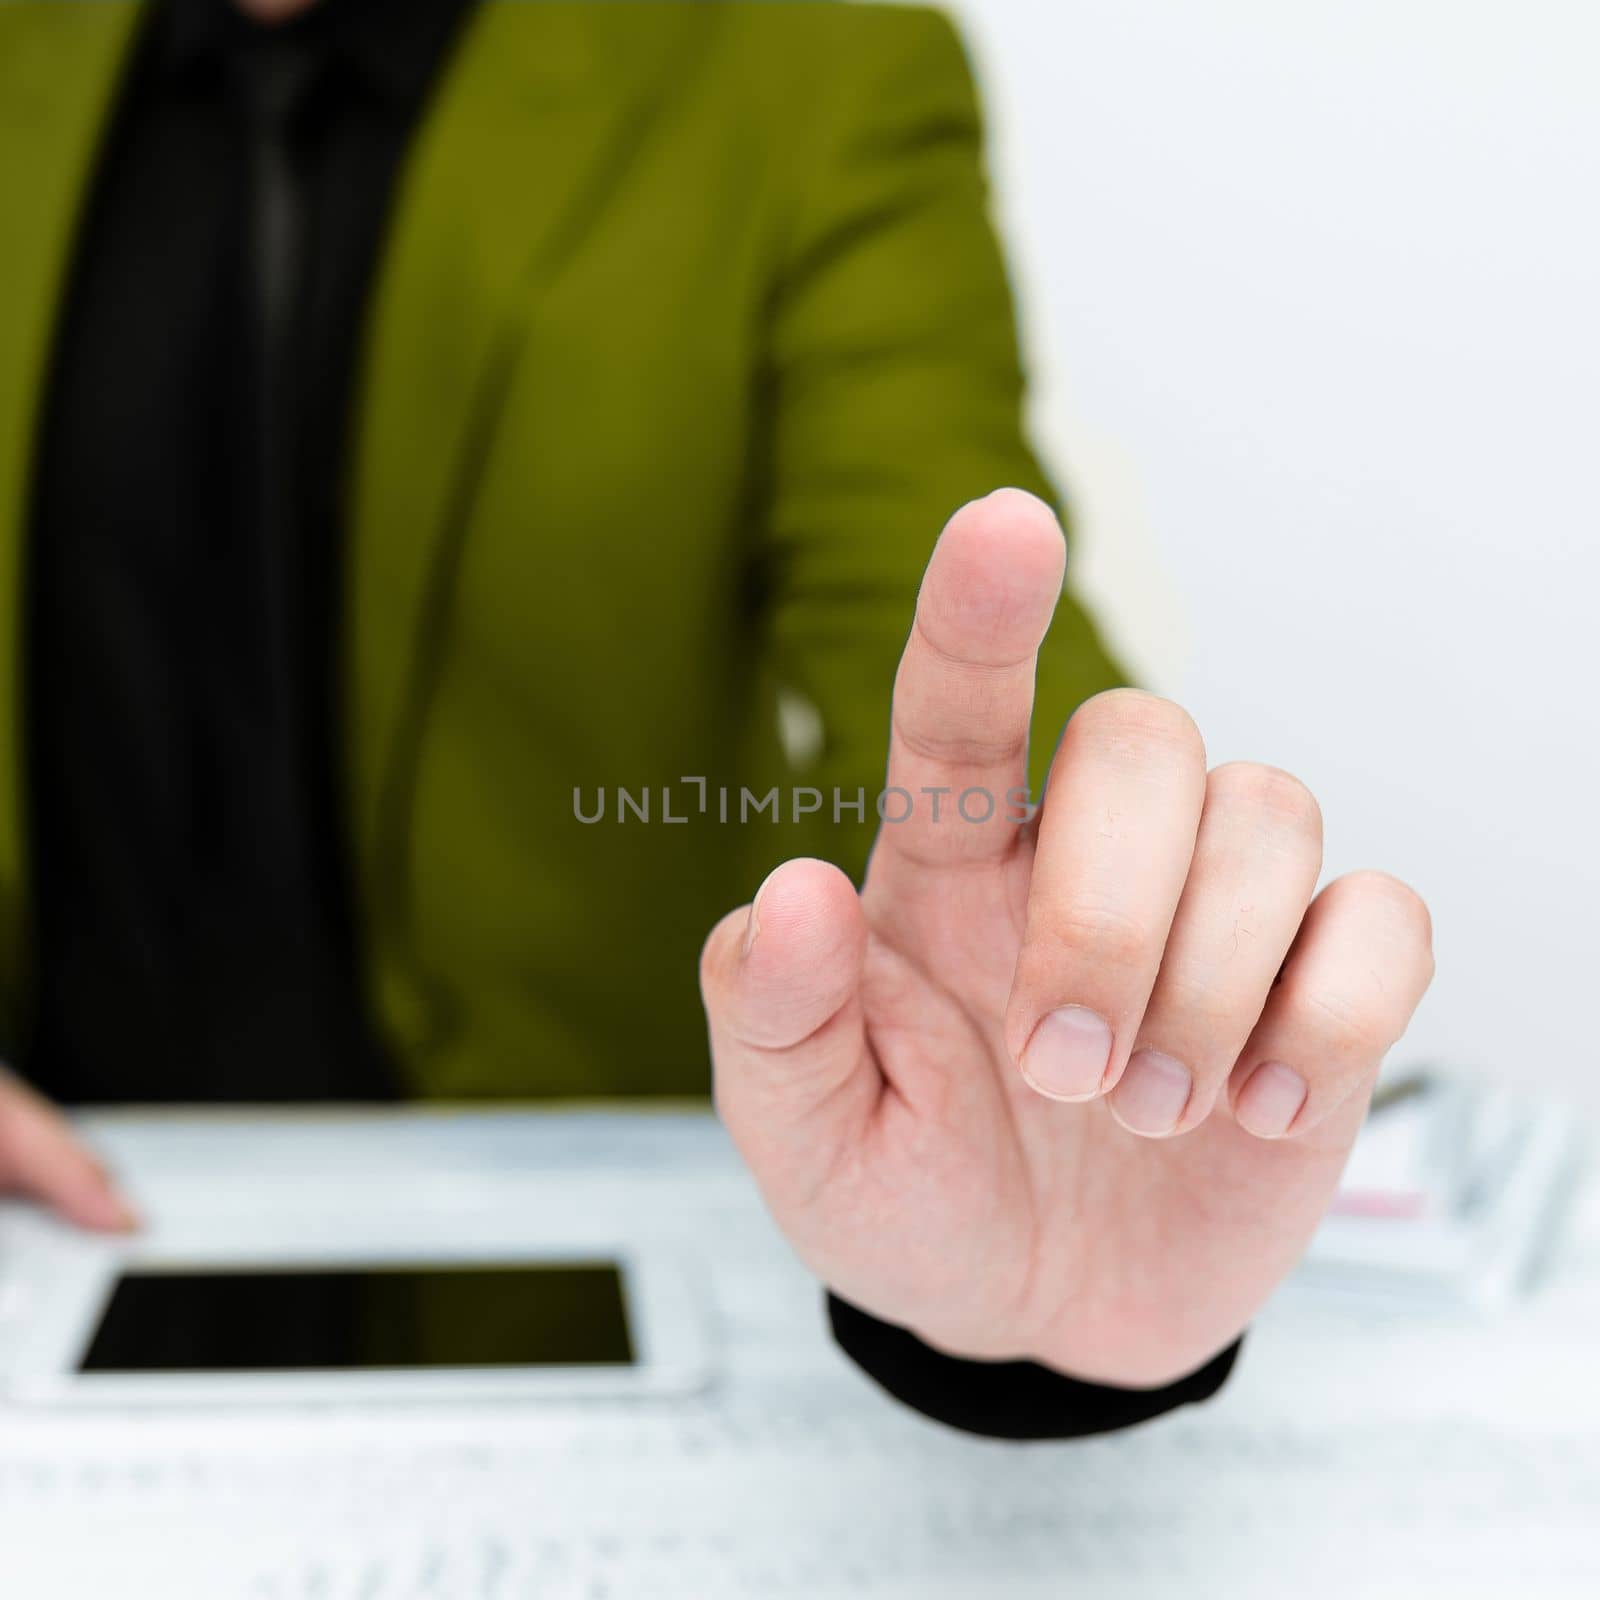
x,y
752,925
1152,1094
1270,1100
107,1210
1067,1056
110,1209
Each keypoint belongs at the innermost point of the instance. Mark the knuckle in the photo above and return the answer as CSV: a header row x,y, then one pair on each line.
x,y
1105,935
980,743
1269,792
1399,904
1202,1008
1135,720
1344,1028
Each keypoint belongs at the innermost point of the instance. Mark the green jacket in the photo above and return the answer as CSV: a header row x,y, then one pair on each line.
x,y
690,333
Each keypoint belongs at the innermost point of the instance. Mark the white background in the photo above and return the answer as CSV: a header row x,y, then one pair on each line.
x,y
1309,292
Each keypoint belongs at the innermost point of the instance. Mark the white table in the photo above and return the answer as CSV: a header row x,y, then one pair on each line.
x,y
1347,1457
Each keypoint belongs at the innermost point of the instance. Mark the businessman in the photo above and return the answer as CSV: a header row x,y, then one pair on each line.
x,y
417,413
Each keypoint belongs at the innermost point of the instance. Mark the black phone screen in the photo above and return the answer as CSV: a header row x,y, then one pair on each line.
x,y
304,1318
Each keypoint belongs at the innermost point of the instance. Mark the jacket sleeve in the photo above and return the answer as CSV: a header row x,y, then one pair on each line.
x,y
896,394
1007,1399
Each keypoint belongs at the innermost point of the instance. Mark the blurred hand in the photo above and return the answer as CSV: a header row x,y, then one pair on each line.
x,y
1078,1090
41,1158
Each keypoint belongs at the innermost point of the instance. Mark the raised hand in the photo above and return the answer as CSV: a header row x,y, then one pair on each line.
x,y
1076,1090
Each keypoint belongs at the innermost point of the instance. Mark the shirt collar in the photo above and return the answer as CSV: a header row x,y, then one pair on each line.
x,y
395,45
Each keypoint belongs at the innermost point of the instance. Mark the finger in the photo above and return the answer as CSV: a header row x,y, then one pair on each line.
x,y
963,695
1255,867
41,1157
1116,835
1362,962
781,983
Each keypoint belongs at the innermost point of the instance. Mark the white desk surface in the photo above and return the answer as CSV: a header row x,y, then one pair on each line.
x,y
1348,1456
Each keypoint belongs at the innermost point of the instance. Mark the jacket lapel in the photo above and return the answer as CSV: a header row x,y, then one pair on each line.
x,y
528,123
523,132
58,67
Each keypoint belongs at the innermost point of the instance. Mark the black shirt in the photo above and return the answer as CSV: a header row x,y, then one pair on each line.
x,y
193,931
193,935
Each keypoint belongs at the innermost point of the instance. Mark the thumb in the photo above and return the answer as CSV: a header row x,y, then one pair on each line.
x,y
41,1157
781,981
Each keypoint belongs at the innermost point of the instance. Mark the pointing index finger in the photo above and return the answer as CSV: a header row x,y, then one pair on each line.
x,y
963,695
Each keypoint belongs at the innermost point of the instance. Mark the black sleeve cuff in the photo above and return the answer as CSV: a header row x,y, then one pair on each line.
x,y
1006,1399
